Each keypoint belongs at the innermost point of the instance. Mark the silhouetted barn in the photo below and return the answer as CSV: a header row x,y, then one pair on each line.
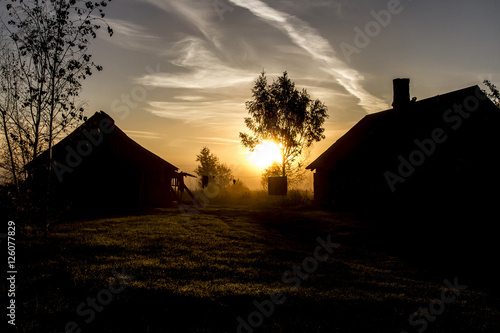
x,y
429,153
98,168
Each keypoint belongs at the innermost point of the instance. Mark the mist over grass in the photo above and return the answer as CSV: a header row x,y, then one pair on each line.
x,y
234,195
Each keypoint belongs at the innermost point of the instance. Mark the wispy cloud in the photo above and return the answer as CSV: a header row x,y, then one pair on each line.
x,y
308,38
209,141
226,112
131,36
201,69
217,140
213,62
200,13
144,134
190,98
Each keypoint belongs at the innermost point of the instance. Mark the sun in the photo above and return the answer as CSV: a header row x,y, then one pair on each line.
x,y
265,154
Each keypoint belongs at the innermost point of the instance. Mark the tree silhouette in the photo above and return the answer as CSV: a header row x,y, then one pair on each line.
x,y
281,113
493,94
45,58
210,166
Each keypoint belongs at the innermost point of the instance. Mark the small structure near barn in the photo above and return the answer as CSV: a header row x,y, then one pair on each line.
x,y
277,186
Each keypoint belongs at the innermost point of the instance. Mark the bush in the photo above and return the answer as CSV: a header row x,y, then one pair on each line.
x,y
297,198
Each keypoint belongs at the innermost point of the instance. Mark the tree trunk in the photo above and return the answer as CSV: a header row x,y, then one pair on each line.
x,y
9,147
284,166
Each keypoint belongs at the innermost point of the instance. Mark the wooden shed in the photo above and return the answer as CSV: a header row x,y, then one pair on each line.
x,y
98,168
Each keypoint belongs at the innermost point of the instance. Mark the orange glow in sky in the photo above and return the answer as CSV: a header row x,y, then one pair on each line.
x,y
265,154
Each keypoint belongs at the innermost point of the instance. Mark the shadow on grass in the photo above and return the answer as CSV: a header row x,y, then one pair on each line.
x,y
200,276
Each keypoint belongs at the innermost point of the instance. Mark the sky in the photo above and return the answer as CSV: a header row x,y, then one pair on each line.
x,y
177,73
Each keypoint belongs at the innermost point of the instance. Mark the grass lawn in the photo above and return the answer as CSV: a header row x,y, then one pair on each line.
x,y
201,274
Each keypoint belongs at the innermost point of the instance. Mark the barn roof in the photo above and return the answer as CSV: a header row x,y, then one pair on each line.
x,y
133,148
388,132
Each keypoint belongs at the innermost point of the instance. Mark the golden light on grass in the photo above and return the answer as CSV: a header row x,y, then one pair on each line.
x,y
265,154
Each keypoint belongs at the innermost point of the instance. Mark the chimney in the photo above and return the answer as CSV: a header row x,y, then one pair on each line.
x,y
401,93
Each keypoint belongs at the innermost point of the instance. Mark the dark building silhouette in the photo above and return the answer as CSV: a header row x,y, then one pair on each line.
x,y
98,168
440,152
277,185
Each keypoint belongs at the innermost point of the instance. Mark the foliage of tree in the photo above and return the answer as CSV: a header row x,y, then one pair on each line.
x,y
45,58
210,166
281,113
493,92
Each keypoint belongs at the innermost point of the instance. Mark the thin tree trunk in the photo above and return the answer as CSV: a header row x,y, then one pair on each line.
x,y
284,165
9,147
51,133
37,126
